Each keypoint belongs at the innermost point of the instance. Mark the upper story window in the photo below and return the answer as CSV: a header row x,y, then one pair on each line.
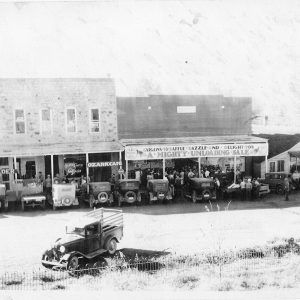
x,y
19,121
71,120
272,166
46,121
280,166
191,109
94,120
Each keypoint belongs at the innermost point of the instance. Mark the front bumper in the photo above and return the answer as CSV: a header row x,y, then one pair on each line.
x,y
54,264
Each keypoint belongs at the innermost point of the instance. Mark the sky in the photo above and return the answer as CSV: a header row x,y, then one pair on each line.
x,y
234,48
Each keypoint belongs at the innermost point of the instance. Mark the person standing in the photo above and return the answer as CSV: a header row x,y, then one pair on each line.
x,y
286,188
243,189
248,189
218,188
48,186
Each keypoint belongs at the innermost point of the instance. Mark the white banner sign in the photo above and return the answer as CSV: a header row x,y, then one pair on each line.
x,y
147,152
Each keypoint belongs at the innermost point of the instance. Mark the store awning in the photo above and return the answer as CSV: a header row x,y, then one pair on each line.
x,y
59,149
187,147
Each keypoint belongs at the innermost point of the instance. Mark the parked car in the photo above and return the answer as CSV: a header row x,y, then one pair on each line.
x,y
100,193
201,189
127,190
32,195
159,190
96,233
64,194
275,181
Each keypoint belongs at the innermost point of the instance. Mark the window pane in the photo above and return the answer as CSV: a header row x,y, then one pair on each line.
x,y
95,114
3,161
45,114
20,127
95,127
71,127
19,114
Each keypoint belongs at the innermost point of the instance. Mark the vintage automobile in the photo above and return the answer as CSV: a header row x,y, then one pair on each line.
x,y
127,190
64,194
100,193
276,181
200,189
3,202
32,195
95,233
158,190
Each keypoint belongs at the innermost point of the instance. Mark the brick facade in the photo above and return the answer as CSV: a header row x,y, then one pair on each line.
x,y
32,95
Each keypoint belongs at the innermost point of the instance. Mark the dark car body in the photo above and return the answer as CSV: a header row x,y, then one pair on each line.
x,y
100,193
275,181
158,189
128,190
200,189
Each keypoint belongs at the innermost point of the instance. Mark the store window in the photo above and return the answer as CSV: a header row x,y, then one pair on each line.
x,y
272,166
46,121
71,120
280,166
94,120
19,121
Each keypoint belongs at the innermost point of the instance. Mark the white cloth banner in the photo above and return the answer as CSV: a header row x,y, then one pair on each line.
x,y
148,152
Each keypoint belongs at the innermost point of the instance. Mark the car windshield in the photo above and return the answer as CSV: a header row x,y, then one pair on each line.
x,y
74,230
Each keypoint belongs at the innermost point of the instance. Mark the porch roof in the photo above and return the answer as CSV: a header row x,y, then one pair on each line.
x,y
10,150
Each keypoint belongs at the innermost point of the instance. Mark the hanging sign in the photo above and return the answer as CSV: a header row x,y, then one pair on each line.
x,y
7,171
147,152
103,164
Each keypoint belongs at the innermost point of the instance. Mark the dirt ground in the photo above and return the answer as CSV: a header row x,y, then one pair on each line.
x,y
180,228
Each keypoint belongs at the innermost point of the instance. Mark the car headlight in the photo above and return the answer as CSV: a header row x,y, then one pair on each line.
x,y
62,249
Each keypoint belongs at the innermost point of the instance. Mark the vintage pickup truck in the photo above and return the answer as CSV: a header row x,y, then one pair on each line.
x,y
96,233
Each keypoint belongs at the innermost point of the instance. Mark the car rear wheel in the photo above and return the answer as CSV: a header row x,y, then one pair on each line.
x,y
279,189
111,246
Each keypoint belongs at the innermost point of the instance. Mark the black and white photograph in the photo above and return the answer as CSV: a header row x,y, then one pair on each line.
x,y
150,149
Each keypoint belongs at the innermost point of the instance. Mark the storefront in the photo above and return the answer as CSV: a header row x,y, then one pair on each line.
x,y
93,162
225,153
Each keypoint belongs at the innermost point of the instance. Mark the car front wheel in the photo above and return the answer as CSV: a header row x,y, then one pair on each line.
x,y
111,246
73,264
279,189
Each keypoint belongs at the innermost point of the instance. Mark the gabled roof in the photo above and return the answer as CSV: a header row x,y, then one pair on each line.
x,y
294,151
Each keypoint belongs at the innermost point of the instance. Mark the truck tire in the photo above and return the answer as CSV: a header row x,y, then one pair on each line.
x,y
129,195
73,264
102,195
111,246
279,189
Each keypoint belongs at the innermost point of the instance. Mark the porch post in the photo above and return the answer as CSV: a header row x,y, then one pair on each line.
x,y
266,165
164,167
234,168
87,172
199,166
126,173
15,167
52,168
120,159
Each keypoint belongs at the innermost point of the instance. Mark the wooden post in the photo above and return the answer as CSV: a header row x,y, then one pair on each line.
x,y
126,173
199,166
266,165
164,167
120,160
52,168
234,169
15,167
87,173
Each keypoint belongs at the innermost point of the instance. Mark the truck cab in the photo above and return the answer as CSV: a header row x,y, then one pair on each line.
x,y
96,233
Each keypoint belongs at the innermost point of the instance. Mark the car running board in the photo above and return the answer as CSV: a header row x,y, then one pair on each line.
x,y
95,253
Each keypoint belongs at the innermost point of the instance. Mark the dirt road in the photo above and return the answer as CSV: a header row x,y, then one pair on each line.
x,y
180,228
